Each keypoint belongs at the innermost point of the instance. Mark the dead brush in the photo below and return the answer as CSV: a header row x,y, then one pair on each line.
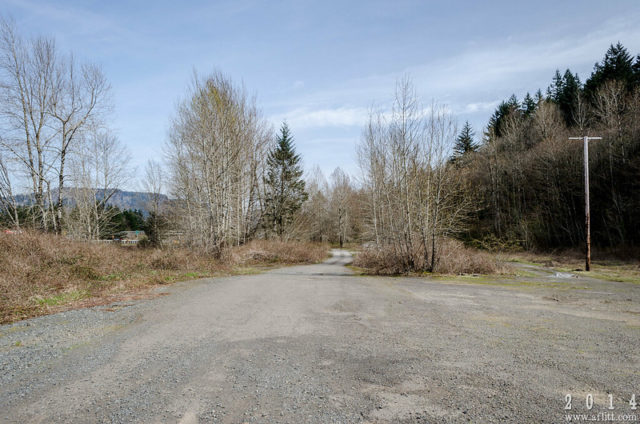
x,y
274,251
44,273
453,258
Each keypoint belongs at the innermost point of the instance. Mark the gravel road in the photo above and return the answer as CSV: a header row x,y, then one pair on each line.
x,y
317,344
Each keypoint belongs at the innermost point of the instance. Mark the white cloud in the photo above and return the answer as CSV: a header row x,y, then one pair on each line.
x,y
480,106
325,117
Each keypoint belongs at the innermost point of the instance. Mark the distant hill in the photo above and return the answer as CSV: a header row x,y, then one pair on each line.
x,y
122,199
133,200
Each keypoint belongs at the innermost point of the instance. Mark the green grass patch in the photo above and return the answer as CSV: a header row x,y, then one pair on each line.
x,y
525,262
64,297
611,276
113,277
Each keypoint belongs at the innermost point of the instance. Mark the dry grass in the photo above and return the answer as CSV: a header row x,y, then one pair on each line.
x,y
42,273
455,258
262,252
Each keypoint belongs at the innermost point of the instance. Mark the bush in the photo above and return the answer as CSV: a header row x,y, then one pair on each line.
x,y
454,258
273,251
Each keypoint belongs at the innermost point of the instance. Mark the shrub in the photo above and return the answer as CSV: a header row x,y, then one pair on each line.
x,y
274,251
454,258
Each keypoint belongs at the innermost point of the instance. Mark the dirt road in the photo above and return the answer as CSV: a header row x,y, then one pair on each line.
x,y
317,344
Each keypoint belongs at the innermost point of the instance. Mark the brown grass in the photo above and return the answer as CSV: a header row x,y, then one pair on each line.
x,y
455,258
42,273
259,252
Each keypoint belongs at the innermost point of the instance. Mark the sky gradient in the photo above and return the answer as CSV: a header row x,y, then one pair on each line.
x,y
322,65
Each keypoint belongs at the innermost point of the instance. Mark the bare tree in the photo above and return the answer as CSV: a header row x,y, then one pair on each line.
x,y
313,221
45,97
28,76
8,204
547,121
416,197
216,153
610,105
580,113
154,185
80,95
98,169
341,197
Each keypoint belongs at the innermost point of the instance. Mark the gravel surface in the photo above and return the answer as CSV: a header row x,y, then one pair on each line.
x,y
317,344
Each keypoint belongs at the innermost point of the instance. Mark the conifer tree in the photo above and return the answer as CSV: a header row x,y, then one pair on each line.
x,y
465,142
528,105
506,108
616,65
555,89
566,96
539,97
284,186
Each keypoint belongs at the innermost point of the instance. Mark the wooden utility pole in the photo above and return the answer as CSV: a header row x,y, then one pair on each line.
x,y
587,213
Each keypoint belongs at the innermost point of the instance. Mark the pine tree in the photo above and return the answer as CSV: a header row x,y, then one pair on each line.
x,y
465,142
506,108
566,95
555,89
528,105
616,65
284,186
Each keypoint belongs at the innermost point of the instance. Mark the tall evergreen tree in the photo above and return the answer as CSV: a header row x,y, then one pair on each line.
x,y
528,105
284,186
616,65
465,142
566,95
506,108
539,97
555,88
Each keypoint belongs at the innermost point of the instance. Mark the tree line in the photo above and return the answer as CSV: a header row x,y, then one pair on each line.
x,y
528,175
232,178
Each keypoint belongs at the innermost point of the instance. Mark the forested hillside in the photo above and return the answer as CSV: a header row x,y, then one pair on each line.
x,y
528,175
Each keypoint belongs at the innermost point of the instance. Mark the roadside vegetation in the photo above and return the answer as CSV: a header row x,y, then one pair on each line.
x,y
454,258
46,273
231,191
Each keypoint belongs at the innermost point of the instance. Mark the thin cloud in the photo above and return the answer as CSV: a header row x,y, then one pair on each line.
x,y
486,71
480,106
326,117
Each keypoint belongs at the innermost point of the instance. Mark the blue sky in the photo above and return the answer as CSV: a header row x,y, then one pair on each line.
x,y
321,65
